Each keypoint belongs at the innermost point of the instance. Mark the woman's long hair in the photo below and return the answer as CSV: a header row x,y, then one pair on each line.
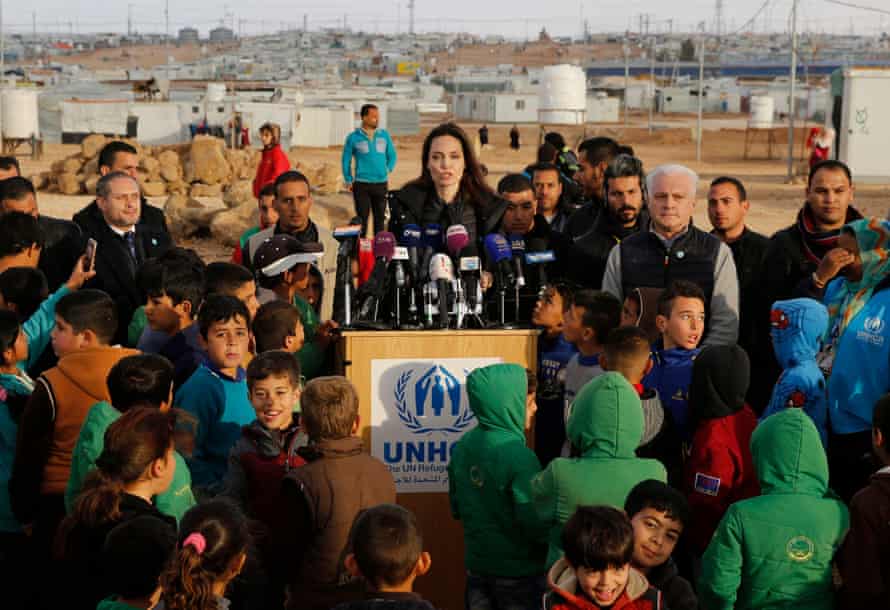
x,y
472,183
211,536
139,437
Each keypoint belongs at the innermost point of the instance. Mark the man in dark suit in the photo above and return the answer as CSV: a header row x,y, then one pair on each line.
x,y
121,157
124,241
62,240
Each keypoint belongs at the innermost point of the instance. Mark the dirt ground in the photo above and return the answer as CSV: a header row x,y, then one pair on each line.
x,y
126,58
774,202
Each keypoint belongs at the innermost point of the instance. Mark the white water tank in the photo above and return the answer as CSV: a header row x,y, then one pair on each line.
x,y
762,110
216,92
562,98
19,113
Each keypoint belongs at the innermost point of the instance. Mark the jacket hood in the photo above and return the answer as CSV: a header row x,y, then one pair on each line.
x,y
562,580
788,455
797,329
606,418
720,378
497,397
88,369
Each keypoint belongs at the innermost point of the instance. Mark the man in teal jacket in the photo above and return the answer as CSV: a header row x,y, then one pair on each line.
x,y
774,551
605,428
375,158
488,478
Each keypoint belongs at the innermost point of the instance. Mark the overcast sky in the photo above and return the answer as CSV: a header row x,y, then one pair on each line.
x,y
512,18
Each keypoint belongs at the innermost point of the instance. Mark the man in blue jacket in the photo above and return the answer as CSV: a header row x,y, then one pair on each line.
x,y
375,158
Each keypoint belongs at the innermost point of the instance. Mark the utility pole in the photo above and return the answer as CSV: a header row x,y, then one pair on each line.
x,y
398,17
791,104
411,17
719,20
129,21
652,83
701,91
34,24
166,22
626,79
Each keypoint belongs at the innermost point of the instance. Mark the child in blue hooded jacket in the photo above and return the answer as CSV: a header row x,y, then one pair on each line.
x,y
797,329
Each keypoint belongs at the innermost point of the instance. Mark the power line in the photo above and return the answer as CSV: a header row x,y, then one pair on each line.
x,y
860,7
751,20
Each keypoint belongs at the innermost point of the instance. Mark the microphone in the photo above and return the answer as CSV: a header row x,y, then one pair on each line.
x,y
346,251
456,239
499,254
541,258
517,246
442,273
470,267
373,291
412,239
432,241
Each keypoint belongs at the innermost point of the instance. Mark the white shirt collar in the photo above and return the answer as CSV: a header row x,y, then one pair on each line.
x,y
121,232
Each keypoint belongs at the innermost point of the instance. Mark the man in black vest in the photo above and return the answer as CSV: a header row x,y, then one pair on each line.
x,y
673,249
124,242
624,186
121,157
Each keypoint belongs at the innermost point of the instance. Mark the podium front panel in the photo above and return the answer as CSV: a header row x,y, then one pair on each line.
x,y
419,374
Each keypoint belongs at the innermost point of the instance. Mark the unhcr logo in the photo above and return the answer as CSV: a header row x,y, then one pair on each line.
x,y
432,403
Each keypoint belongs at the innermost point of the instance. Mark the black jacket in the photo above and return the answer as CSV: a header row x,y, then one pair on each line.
x,y
414,204
150,215
114,272
63,243
380,600
678,593
584,217
587,258
538,239
749,252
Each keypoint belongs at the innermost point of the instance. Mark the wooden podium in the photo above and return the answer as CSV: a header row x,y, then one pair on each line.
x,y
443,536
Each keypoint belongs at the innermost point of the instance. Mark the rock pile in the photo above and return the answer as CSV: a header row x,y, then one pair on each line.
x,y
202,168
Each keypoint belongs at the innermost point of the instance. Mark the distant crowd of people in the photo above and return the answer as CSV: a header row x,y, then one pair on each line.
x,y
709,410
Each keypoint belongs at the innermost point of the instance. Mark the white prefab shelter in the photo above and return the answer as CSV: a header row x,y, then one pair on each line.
x,y
321,127
20,113
81,117
865,124
602,109
562,97
497,107
158,123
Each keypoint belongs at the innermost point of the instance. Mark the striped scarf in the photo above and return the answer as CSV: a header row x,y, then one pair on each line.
x,y
873,237
816,244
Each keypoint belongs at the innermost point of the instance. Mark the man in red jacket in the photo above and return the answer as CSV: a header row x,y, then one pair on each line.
x,y
719,470
274,161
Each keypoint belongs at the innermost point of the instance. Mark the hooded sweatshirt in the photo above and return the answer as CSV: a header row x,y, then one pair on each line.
x,y
91,441
719,470
491,496
564,593
797,329
775,550
605,426
864,558
13,389
671,376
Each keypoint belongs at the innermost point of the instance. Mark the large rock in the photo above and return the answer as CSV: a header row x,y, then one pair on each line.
x,y
154,189
239,193
186,216
207,162
206,190
68,184
92,145
91,167
326,179
178,187
171,166
89,184
39,180
72,165
228,226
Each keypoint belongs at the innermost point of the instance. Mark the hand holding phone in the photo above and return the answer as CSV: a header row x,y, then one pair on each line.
x,y
89,255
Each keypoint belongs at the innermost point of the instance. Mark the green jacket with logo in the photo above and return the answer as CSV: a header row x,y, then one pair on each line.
x,y
489,475
605,427
775,550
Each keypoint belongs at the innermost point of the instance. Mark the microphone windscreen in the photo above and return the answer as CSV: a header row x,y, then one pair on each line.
x,y
456,239
441,267
517,244
497,248
432,236
384,245
412,237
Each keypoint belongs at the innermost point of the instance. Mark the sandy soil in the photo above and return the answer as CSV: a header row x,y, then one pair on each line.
x,y
126,58
774,202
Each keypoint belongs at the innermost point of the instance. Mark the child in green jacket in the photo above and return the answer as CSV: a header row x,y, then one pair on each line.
x,y
775,550
504,555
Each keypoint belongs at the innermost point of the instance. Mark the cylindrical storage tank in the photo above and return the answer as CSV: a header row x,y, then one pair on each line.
x,y
216,92
762,110
562,98
20,113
